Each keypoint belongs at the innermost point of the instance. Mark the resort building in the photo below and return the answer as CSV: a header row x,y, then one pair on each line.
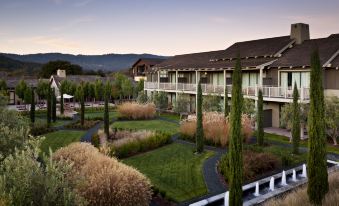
x,y
272,64
142,66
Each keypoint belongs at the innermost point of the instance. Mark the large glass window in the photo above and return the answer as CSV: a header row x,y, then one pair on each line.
x,y
287,79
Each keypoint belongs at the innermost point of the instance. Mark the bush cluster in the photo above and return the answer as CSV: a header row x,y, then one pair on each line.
x,y
39,128
126,147
216,128
136,111
96,109
102,180
63,117
87,125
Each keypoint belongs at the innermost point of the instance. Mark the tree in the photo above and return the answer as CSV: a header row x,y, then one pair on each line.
x,y
199,130
211,103
20,89
127,88
296,120
119,79
235,144
287,112
42,89
51,68
332,118
64,88
160,100
140,86
182,103
107,95
32,110
317,167
98,89
142,97
3,87
248,107
49,106
260,117
80,96
27,95
226,107
54,105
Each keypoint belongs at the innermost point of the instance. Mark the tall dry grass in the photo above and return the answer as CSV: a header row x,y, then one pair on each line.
x,y
299,196
216,128
131,110
102,180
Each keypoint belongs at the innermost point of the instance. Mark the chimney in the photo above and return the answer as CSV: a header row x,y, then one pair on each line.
x,y
300,32
61,73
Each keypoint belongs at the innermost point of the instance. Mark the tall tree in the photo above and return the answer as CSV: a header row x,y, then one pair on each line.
x,y
332,118
54,105
317,169
199,129
260,117
42,89
226,107
127,88
107,96
296,120
49,107
51,68
64,88
99,88
20,89
235,144
3,87
32,110
80,95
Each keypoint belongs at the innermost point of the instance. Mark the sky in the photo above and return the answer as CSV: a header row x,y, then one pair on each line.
x,y
163,27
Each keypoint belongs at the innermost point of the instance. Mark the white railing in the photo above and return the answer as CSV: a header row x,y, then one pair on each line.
x,y
151,85
187,87
167,86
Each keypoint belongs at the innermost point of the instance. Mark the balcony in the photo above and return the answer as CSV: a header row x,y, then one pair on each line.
x,y
270,93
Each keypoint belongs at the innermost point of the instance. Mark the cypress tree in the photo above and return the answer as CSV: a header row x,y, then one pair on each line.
x,y
49,107
260,117
61,101
317,169
107,96
296,120
54,103
32,111
235,171
82,104
226,107
200,130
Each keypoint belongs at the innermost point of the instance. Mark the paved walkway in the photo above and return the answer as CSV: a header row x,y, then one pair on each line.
x,y
280,131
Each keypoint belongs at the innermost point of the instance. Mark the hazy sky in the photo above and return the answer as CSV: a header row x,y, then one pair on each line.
x,y
164,27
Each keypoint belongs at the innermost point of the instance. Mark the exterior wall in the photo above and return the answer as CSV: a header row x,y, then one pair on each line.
x,y
331,92
331,77
271,78
275,112
138,78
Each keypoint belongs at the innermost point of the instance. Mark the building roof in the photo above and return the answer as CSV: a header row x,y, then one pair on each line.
x,y
79,78
149,61
300,55
13,81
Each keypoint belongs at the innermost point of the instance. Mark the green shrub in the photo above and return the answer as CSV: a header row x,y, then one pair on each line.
x,y
63,117
95,140
40,128
87,125
97,109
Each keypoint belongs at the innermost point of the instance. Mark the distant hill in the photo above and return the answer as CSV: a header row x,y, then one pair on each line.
x,y
15,66
106,62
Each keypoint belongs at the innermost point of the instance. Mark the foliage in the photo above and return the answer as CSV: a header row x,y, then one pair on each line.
x,y
332,118
296,121
136,111
25,181
107,95
65,87
182,103
95,140
3,85
80,96
119,78
248,107
127,147
98,89
32,110
235,144
40,128
104,180
142,97
42,89
317,166
20,89
260,117
226,106
160,100
54,106
211,103
49,106
140,86
51,68
127,87
87,124
287,112
199,134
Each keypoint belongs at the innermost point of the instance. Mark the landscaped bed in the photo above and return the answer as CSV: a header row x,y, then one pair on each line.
x,y
58,139
174,170
99,115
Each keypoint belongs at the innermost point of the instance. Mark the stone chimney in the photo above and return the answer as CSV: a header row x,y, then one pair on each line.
x,y
61,73
300,32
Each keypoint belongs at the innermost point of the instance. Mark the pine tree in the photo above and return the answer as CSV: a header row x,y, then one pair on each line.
x,y
296,120
54,103
226,107
317,169
32,111
49,107
200,129
260,117
235,144
107,96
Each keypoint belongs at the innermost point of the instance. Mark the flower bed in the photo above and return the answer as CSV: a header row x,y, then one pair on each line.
x,y
135,111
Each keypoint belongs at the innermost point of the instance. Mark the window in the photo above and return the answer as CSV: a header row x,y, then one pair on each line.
x,y
287,79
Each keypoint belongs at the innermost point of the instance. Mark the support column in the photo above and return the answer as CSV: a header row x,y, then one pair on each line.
x,y
225,95
176,85
261,77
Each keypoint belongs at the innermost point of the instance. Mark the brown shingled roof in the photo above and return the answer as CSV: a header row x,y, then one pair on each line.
x,y
13,81
149,61
80,78
300,55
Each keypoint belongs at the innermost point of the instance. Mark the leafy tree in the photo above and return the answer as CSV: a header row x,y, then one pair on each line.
x,y
49,106
142,97
160,100
32,110
139,86
118,81
235,144
182,103
54,105
317,167
3,87
127,88
199,130
296,120
65,87
28,95
287,112
211,103
332,118
42,89
107,95
226,106
248,107
51,68
80,96
20,89
260,117
99,88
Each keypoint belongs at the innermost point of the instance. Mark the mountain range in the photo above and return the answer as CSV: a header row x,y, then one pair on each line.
x,y
106,62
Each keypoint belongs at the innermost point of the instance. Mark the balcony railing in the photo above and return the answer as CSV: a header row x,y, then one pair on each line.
x,y
251,91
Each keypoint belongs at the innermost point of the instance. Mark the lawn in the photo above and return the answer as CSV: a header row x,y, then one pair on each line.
x,y
100,114
158,125
173,117
174,169
61,138
53,124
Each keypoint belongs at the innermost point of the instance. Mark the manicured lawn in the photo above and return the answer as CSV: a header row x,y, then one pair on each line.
x,y
61,138
53,124
174,169
174,117
158,125
100,114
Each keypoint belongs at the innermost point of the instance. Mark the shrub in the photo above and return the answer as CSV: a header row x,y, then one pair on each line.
x,y
87,125
216,128
255,163
135,111
39,128
104,180
133,144
63,117
95,140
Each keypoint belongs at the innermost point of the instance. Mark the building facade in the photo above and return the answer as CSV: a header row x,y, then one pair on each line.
x,y
142,66
271,64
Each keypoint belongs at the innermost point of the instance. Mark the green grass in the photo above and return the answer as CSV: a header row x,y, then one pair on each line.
x,y
58,139
53,124
174,169
100,114
175,117
158,125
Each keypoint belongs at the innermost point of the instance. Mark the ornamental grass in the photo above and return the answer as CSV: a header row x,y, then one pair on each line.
x,y
103,180
136,111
